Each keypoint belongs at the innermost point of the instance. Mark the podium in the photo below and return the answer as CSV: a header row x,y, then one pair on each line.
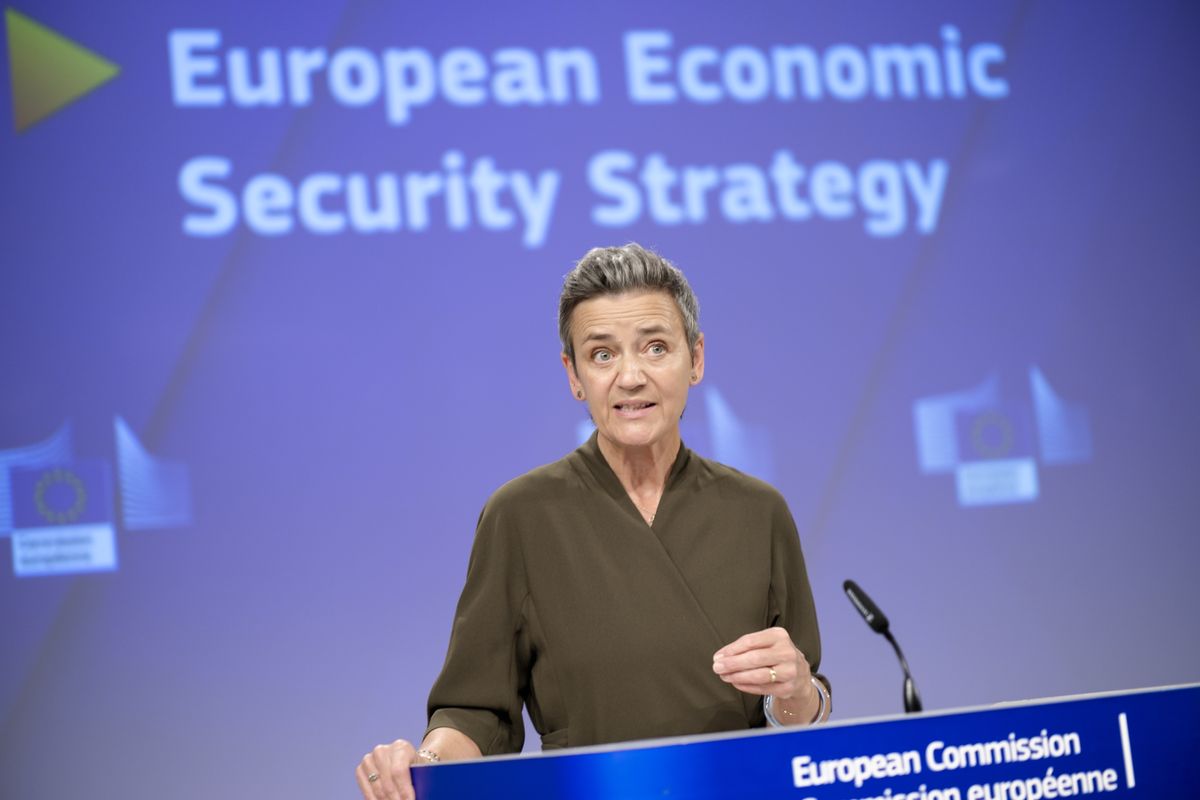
x,y
1143,743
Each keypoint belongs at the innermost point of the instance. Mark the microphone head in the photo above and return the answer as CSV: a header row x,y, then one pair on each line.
x,y
912,700
870,612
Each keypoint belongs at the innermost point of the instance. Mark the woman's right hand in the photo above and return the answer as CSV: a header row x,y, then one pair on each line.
x,y
384,773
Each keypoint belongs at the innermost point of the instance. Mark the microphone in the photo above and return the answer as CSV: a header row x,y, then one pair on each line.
x,y
879,623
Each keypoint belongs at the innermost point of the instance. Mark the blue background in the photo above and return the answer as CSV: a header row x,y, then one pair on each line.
x,y
346,404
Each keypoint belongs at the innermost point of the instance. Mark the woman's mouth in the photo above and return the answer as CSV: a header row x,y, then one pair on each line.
x,y
634,409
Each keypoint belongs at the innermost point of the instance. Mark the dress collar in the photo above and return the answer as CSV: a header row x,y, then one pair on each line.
x,y
603,472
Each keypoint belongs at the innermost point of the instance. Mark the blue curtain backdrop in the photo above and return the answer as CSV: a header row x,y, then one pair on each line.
x,y
278,305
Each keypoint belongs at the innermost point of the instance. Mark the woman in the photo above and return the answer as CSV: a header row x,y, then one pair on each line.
x,y
632,589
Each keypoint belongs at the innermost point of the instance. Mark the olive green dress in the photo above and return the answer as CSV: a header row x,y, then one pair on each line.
x,y
605,626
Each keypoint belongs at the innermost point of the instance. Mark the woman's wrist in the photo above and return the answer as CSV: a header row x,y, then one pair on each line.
x,y
810,709
428,756
446,744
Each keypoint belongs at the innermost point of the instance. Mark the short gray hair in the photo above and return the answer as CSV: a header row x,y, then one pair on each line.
x,y
616,270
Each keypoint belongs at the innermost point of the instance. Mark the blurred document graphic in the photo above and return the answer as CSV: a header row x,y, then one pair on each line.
x,y
63,519
735,442
61,512
155,493
991,441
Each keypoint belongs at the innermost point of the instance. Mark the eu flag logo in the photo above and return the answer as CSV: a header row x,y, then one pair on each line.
x,y
63,519
991,441
61,511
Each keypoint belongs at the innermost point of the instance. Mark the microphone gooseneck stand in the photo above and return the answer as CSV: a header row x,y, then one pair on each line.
x,y
879,623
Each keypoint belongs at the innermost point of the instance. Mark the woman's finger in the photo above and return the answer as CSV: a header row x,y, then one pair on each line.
x,y
754,641
784,690
753,688
781,654
398,776
372,789
780,675
750,660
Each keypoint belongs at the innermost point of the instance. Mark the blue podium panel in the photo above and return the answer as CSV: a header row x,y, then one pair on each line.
x,y
1142,743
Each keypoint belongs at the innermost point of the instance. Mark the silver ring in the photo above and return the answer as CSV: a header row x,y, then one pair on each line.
x,y
374,776
773,677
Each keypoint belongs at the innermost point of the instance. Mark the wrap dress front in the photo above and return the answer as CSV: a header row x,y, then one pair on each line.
x,y
604,626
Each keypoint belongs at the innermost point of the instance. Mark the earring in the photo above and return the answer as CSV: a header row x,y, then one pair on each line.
x,y
579,394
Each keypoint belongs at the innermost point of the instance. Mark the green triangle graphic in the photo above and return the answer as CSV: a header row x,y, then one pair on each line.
x,y
49,71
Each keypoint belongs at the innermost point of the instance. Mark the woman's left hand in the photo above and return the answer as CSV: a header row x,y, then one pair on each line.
x,y
765,662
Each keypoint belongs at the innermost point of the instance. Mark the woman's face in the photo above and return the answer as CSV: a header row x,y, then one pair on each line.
x,y
633,365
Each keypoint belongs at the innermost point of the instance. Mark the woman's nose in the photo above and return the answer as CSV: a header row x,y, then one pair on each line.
x,y
631,373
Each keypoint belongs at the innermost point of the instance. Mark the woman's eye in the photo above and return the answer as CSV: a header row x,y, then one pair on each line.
x,y
658,349
601,356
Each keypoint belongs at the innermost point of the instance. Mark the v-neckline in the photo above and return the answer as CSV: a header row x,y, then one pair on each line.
x,y
604,473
